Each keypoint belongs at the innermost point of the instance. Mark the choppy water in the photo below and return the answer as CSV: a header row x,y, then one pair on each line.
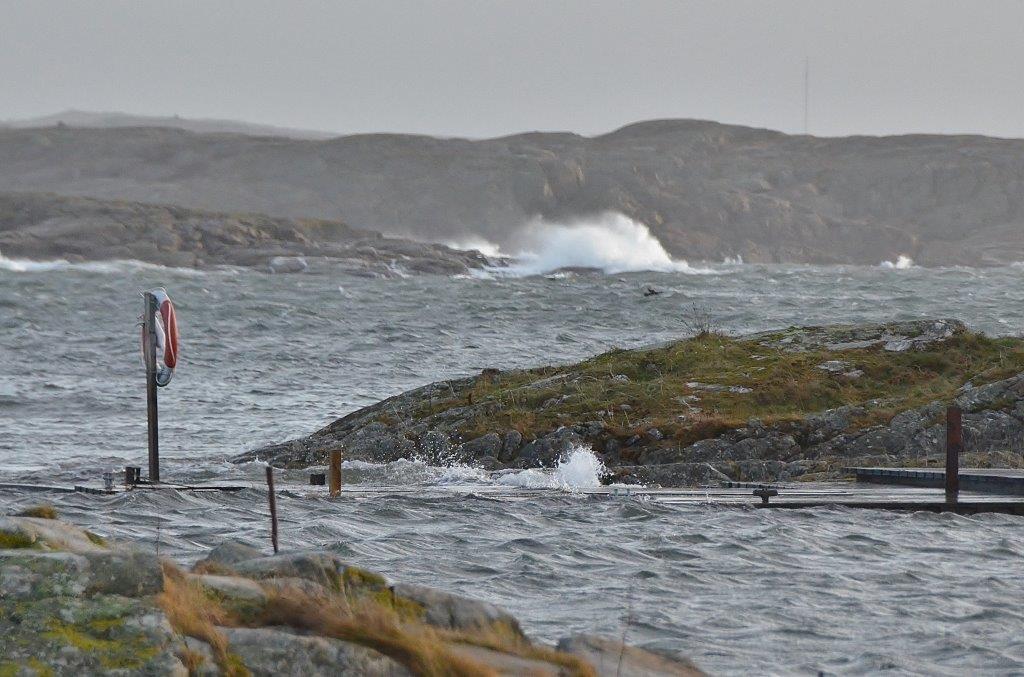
x,y
269,357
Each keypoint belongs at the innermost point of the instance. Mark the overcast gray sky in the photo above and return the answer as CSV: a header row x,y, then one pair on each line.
x,y
478,68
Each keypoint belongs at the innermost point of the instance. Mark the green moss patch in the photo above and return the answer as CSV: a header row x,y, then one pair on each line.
x,y
699,387
97,638
13,540
42,511
356,577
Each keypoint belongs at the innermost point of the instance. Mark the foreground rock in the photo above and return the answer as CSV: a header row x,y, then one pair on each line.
x,y
73,603
802,402
46,227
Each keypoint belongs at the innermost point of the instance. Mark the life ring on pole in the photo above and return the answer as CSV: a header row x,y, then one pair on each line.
x,y
165,348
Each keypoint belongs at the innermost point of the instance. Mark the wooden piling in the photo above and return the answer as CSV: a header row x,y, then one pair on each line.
x,y
273,507
954,447
335,488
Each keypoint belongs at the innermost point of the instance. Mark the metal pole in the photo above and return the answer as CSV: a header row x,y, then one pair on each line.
x,y
273,507
335,488
954,447
149,350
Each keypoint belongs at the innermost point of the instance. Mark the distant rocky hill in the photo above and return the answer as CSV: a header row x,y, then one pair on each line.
x,y
45,226
706,190
82,118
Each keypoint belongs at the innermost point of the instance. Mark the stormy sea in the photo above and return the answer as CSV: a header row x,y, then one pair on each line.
x,y
266,358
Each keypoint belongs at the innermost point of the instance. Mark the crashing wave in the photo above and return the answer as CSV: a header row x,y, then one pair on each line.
x,y
902,262
610,242
580,469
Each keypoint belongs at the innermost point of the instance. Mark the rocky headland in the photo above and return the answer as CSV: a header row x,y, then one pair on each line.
x,y
51,227
798,403
73,602
706,190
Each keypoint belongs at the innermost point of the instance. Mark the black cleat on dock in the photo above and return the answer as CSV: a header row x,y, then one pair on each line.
x,y
765,493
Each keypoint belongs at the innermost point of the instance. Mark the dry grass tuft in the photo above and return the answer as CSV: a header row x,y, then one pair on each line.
x,y
193,660
193,613
46,512
352,616
419,648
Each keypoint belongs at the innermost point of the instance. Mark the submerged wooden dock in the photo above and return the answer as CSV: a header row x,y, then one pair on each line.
x,y
967,491
872,496
983,480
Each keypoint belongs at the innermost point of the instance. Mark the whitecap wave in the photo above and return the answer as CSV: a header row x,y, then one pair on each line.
x,y
111,266
610,242
579,469
488,249
902,262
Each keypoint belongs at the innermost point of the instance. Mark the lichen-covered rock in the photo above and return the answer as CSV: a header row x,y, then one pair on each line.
x,y
242,596
31,574
455,612
124,572
893,336
55,557
52,534
96,612
227,554
88,635
319,567
278,651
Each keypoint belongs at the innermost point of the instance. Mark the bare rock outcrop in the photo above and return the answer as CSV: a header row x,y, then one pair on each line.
x,y
47,227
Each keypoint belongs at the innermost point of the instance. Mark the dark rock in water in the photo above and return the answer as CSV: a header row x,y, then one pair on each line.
x,y
545,451
510,446
485,445
437,447
488,463
670,474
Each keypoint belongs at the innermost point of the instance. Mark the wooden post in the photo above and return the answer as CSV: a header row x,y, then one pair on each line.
x,y
335,488
149,353
954,447
273,507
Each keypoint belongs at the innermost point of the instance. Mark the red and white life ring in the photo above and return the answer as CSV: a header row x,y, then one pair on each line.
x,y
166,348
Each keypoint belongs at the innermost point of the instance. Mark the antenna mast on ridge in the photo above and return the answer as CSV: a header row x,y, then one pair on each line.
x,y
807,93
